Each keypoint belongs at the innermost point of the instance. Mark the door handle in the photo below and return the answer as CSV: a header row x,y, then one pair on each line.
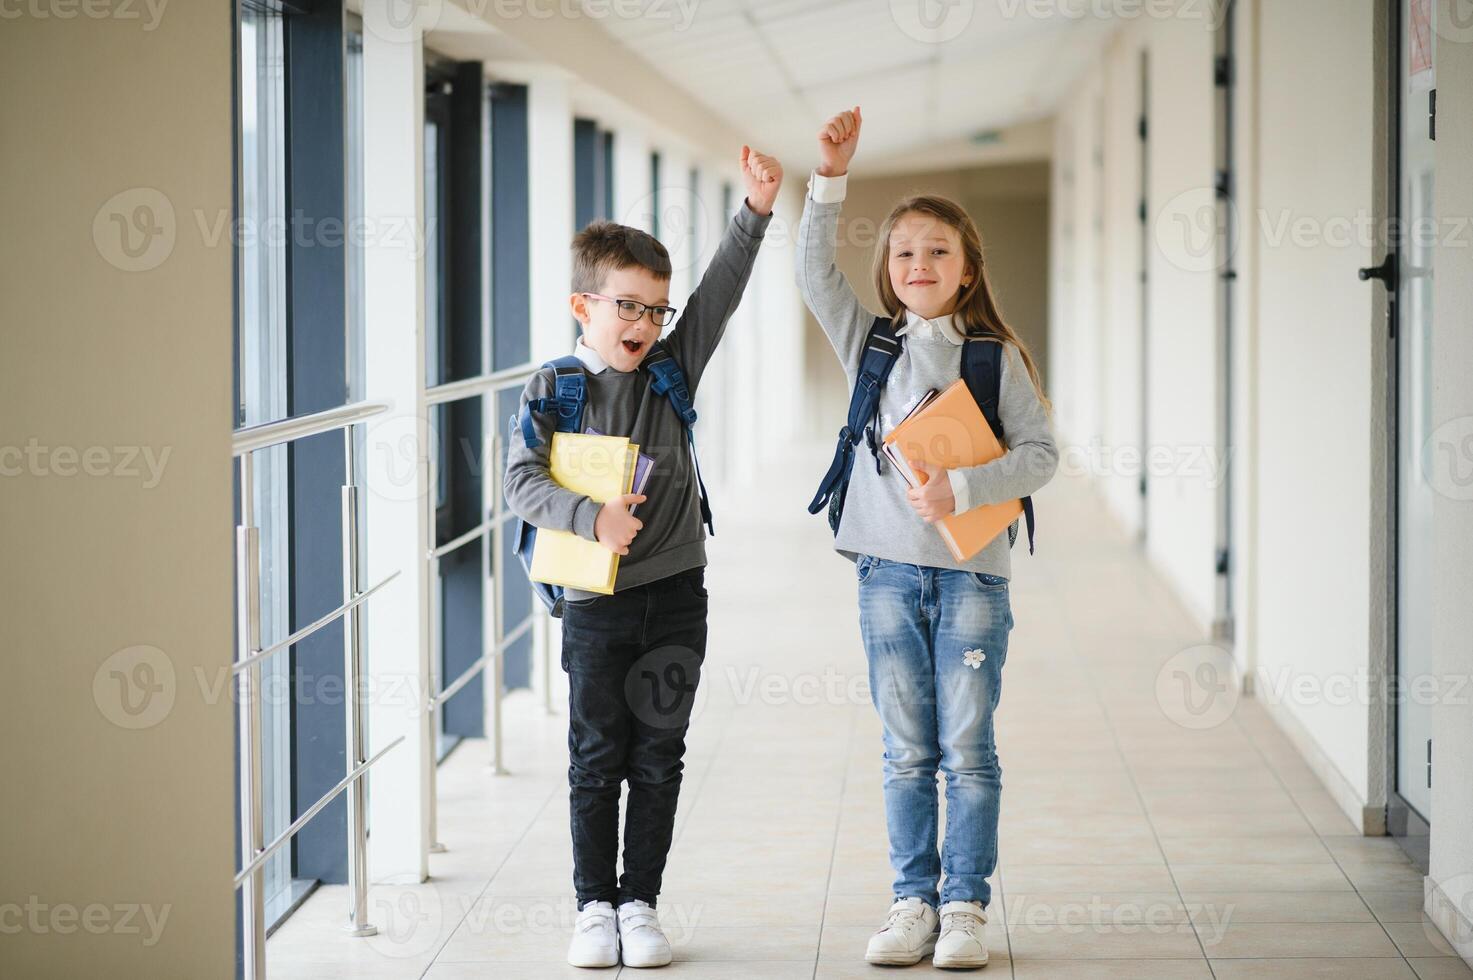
x,y
1386,272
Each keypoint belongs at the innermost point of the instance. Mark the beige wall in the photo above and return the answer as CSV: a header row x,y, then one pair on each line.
x,y
1320,357
1008,202
117,842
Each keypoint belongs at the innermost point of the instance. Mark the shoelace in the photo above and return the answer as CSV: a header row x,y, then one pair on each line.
x,y
901,917
967,923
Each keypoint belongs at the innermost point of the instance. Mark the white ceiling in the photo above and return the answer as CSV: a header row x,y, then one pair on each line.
x,y
776,69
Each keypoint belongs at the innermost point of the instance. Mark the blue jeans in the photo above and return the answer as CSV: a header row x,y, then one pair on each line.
x,y
936,639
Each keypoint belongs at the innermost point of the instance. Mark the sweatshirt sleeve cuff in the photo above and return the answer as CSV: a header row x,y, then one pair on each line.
x,y
960,491
584,516
827,190
750,222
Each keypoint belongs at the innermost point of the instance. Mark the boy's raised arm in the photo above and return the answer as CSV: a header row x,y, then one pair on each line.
x,y
703,322
824,288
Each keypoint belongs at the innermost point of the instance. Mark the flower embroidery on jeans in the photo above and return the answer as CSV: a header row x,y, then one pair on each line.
x,y
973,658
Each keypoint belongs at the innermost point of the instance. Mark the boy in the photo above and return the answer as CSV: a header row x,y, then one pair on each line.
x,y
652,630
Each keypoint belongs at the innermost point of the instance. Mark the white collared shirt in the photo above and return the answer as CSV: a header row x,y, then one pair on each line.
x,y
922,328
591,358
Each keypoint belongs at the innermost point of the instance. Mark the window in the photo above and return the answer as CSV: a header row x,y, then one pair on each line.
x,y
511,338
454,327
593,176
299,317
261,344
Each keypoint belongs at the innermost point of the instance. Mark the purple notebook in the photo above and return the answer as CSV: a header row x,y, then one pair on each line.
x,y
642,468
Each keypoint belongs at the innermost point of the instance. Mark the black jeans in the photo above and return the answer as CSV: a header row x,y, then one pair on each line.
x,y
633,661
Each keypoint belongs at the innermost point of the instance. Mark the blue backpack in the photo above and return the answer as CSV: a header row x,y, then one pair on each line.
x,y
982,371
569,397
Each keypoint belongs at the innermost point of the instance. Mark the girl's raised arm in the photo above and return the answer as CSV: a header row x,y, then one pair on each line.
x,y
824,288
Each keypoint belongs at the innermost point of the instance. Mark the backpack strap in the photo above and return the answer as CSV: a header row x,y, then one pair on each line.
x,y
668,380
982,370
569,396
881,351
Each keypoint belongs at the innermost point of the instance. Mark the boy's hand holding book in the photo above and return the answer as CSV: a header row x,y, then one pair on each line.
x,y
614,526
933,499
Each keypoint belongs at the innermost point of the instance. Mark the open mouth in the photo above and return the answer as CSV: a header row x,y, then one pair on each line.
x,y
633,346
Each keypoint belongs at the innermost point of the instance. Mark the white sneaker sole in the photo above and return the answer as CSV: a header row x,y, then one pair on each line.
x,y
960,962
644,961
902,959
601,961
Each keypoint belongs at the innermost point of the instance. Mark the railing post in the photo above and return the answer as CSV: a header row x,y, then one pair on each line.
x,y
432,615
498,604
357,743
248,640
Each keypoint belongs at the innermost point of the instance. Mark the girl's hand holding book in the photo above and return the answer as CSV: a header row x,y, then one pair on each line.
x,y
933,499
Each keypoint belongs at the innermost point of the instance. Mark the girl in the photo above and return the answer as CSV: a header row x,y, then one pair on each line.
x,y
935,630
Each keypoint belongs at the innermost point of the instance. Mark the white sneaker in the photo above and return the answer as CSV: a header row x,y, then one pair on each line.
x,y
963,942
644,941
909,933
595,937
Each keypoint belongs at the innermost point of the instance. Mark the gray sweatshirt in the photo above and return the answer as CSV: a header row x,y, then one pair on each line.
x,y
878,519
621,403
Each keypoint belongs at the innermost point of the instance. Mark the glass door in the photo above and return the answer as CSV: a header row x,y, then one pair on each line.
x,y
1412,324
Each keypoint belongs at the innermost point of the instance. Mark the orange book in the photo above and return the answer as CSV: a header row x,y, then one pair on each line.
x,y
951,432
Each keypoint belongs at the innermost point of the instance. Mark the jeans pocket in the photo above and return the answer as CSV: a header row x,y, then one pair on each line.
x,y
987,582
863,566
696,579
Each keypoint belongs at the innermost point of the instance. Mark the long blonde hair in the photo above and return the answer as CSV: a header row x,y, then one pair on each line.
x,y
976,313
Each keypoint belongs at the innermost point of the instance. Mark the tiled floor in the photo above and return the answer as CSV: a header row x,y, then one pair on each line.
x,y
1130,846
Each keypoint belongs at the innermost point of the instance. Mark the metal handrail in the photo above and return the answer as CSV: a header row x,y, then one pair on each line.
x,y
268,434
453,391
470,672
311,812
456,543
489,383
247,668
312,627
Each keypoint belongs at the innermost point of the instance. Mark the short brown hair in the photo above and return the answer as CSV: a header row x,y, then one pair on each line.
x,y
605,246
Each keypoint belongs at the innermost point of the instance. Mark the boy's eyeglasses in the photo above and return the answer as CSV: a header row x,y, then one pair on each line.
x,y
632,310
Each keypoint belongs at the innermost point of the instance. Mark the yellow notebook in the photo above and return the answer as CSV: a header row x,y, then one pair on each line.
x,y
603,468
